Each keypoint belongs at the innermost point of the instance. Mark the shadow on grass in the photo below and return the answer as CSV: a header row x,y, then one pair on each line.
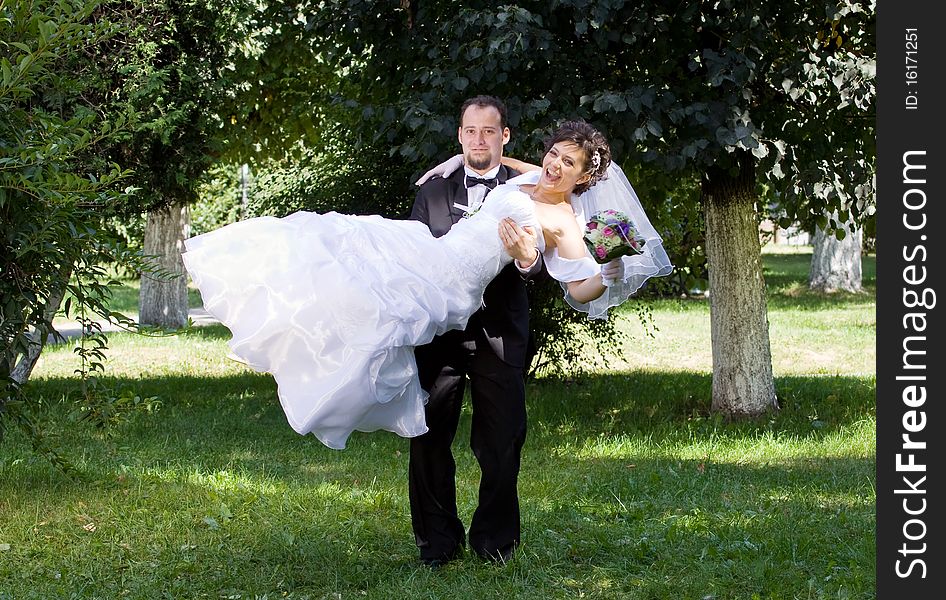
x,y
214,495
795,267
235,422
210,332
697,526
657,402
805,300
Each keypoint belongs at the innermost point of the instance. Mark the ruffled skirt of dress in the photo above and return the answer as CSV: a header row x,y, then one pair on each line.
x,y
332,306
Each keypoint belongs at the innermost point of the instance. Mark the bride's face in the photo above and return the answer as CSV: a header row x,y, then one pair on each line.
x,y
563,167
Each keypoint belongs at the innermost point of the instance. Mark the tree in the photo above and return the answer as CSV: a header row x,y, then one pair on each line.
x,y
55,189
779,94
168,70
836,260
231,80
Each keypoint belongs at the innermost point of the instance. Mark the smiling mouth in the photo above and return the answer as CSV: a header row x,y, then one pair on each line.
x,y
550,177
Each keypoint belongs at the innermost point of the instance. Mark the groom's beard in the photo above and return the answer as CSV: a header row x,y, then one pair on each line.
x,y
479,164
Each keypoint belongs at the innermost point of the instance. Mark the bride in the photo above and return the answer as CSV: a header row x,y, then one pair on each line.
x,y
333,305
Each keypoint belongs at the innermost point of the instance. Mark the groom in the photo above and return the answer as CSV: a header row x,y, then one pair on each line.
x,y
490,352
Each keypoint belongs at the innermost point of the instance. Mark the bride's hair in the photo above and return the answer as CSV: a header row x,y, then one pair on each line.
x,y
593,144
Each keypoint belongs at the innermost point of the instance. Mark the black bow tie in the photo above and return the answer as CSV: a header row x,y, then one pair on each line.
x,y
490,183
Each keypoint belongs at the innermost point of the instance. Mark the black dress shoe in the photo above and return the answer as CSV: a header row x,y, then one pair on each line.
x,y
439,561
501,556
434,564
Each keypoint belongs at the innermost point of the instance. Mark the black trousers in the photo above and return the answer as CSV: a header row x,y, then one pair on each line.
x,y
497,435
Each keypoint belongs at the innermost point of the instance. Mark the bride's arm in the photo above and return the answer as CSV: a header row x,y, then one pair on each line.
x,y
570,245
518,165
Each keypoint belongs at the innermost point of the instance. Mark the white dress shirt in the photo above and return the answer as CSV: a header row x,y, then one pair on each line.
x,y
476,193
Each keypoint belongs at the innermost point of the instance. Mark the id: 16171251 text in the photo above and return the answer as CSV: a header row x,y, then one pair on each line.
x,y
911,64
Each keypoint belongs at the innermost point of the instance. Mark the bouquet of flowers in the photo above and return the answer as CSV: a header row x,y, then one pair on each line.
x,y
610,234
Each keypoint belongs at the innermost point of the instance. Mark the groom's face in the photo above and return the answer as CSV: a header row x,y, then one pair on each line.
x,y
482,136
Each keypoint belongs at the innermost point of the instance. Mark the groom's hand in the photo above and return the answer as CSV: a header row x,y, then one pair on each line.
x,y
519,242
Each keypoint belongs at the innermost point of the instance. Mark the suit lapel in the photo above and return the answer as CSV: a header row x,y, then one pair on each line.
x,y
505,173
458,196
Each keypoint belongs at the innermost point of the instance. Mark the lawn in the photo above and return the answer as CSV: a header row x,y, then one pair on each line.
x,y
630,488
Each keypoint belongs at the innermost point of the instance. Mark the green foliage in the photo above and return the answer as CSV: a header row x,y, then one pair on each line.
x,y
127,227
55,190
107,411
278,102
686,93
557,327
59,196
339,176
680,218
86,87
168,70
567,343
220,198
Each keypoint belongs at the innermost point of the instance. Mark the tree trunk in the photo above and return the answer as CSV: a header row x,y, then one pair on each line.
x,y
742,359
836,264
24,365
163,297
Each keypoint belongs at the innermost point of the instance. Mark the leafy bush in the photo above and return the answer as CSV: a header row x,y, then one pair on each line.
x,y
562,333
219,198
341,175
56,192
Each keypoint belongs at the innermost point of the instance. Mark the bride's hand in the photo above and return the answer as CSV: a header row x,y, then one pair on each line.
x,y
519,242
612,271
444,169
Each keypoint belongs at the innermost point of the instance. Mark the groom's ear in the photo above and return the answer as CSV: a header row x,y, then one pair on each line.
x,y
505,135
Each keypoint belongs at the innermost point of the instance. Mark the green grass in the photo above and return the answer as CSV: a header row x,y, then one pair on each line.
x,y
629,487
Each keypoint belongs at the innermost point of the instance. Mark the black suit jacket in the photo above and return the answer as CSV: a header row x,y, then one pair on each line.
x,y
504,318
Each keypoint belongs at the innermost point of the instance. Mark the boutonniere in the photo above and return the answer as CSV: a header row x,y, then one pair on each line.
x,y
467,213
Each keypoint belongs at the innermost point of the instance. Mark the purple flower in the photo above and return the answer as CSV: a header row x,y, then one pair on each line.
x,y
607,232
600,251
592,225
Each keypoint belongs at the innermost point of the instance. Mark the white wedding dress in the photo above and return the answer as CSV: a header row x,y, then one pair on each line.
x,y
333,305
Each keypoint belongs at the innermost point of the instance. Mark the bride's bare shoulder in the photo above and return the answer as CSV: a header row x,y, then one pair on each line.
x,y
557,220
526,189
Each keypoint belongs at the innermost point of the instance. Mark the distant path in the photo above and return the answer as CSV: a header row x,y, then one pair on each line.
x,y
199,316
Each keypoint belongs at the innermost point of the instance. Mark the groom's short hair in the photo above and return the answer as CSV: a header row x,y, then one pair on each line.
x,y
482,102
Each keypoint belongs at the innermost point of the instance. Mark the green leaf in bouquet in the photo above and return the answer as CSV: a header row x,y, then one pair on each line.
x,y
622,250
